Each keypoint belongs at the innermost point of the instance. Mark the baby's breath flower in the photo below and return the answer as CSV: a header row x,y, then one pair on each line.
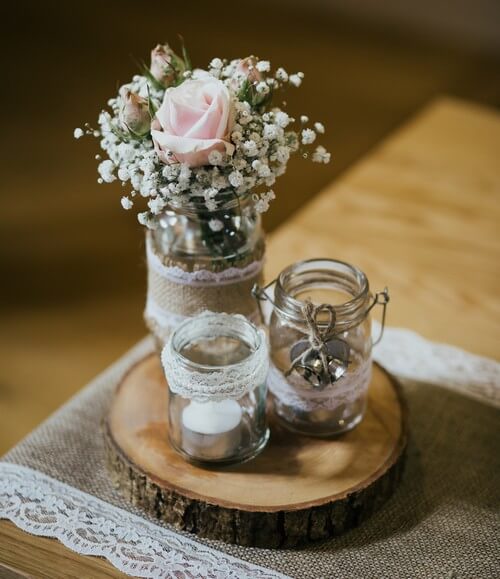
x,y
282,119
144,219
240,163
261,206
282,154
219,182
170,172
105,170
321,155
245,117
308,136
235,178
156,205
250,148
272,132
123,174
215,157
304,119
264,171
262,88
320,128
216,225
216,63
78,133
281,74
296,79
184,172
263,66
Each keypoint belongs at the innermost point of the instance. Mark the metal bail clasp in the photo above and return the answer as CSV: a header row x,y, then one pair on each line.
x,y
381,298
260,295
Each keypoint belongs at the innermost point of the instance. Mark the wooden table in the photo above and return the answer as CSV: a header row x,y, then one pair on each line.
x,y
420,214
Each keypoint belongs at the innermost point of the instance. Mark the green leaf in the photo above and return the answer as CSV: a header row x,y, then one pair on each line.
x,y
185,55
245,92
151,106
122,135
152,80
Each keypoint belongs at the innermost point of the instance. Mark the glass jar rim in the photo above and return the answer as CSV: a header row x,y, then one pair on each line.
x,y
348,313
204,325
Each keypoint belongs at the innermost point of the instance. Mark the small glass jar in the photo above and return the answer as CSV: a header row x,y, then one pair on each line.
x,y
216,367
200,259
321,344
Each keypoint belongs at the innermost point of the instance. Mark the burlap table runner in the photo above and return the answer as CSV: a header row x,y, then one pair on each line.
x,y
442,522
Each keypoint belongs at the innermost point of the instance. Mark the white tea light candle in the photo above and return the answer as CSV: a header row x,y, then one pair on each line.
x,y
211,430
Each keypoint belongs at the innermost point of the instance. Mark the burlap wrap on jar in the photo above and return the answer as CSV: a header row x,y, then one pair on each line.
x,y
179,289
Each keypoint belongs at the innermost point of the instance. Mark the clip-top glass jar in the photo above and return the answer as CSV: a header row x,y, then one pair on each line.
x,y
321,344
216,367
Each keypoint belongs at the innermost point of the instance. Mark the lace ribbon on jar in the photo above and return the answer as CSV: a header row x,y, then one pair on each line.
x,y
223,382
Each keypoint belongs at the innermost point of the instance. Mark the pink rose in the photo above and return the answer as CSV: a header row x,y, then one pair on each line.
x,y
134,113
194,119
162,64
246,68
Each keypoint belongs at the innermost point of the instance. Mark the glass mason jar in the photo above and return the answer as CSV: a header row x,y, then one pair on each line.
x,y
203,260
321,345
216,367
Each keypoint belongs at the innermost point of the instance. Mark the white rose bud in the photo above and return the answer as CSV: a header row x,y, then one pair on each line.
x,y
162,57
134,114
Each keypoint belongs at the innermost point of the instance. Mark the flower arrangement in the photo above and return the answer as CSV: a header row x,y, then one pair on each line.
x,y
175,134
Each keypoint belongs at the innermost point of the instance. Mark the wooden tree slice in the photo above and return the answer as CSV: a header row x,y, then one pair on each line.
x,y
298,489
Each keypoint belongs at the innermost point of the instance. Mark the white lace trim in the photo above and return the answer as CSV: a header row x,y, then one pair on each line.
x,y
201,277
409,355
43,506
350,388
232,381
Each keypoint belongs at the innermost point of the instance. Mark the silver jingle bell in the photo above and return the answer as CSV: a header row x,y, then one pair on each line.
x,y
308,362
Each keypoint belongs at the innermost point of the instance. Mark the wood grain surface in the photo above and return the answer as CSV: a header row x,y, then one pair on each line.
x,y
420,214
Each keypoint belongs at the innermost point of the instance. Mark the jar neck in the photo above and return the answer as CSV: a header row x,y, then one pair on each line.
x,y
327,275
209,327
230,233
195,207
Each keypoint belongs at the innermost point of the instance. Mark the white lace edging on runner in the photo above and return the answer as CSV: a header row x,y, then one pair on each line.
x,y
409,355
43,506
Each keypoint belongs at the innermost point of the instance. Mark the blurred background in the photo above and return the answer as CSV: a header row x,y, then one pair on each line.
x,y
72,266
